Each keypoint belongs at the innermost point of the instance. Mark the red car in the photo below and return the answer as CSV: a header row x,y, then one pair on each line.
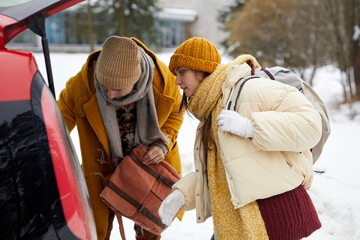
x,y
43,194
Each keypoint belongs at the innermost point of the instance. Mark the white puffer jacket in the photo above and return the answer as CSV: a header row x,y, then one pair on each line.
x,y
277,159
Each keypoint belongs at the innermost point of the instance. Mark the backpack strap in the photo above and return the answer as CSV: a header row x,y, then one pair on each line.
x,y
238,93
252,70
268,73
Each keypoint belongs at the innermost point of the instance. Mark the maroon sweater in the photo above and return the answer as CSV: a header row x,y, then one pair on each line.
x,y
290,215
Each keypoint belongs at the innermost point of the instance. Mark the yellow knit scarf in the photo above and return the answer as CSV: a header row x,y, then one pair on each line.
x,y
243,223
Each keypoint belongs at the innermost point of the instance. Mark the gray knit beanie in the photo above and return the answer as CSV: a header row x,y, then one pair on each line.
x,y
118,65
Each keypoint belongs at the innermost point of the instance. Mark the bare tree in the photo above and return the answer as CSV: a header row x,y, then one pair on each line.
x,y
122,19
90,27
344,18
356,45
280,32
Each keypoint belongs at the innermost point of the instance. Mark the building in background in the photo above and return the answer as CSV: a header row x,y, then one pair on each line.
x,y
176,22
180,20
174,25
56,33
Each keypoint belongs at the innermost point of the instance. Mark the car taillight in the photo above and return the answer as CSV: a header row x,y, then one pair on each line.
x,y
70,182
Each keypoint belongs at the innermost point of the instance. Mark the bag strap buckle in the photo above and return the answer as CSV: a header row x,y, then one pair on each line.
x,y
161,178
143,210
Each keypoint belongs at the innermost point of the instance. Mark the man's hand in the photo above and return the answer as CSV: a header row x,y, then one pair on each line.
x,y
231,121
154,155
171,206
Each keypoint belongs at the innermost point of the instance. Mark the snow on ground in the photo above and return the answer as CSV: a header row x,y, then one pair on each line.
x,y
335,193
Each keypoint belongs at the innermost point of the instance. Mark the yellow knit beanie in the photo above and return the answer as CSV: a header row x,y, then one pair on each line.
x,y
118,65
197,54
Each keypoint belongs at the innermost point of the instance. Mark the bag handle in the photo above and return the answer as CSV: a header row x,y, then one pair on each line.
x,y
121,226
161,178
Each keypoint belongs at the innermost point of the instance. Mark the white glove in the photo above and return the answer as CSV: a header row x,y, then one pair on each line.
x,y
171,206
231,121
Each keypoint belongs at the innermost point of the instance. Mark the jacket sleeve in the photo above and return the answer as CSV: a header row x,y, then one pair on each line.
x,y
287,122
66,103
171,123
186,186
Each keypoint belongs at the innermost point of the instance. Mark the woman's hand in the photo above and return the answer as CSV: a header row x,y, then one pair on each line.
x,y
154,155
231,121
171,206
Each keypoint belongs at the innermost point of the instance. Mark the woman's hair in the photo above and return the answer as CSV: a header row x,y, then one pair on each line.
x,y
206,135
183,104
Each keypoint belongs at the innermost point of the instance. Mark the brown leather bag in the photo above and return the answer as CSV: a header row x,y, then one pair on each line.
x,y
136,190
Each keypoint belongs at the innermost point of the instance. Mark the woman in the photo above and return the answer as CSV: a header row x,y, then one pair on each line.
x,y
252,165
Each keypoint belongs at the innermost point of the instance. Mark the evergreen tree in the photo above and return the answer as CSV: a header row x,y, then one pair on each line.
x,y
227,14
134,18
128,18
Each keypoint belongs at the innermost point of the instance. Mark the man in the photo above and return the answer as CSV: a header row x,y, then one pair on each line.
x,y
123,96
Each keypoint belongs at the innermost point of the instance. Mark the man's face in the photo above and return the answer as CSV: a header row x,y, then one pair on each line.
x,y
117,93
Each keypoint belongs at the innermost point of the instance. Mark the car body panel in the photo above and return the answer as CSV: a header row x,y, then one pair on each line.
x,y
70,182
7,33
20,67
29,204
43,194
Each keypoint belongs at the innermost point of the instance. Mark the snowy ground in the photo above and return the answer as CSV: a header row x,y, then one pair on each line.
x,y
335,193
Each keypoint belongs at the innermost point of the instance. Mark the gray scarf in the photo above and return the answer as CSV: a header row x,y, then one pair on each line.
x,y
147,128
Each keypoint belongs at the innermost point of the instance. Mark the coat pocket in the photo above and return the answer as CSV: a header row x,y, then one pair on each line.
x,y
234,147
259,175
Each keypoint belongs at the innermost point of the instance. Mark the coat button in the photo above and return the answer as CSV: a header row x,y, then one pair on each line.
x,y
168,131
197,170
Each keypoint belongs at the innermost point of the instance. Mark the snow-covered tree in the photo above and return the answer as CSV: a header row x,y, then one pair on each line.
x,y
130,18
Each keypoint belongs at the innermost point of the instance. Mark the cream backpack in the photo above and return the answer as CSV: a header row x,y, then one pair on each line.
x,y
286,76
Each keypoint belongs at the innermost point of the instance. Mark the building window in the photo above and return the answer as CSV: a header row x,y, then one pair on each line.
x,y
172,32
172,24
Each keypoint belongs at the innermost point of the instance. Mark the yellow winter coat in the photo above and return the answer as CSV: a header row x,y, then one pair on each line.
x,y
79,107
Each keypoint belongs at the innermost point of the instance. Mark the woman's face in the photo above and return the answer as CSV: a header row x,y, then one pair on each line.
x,y
188,80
